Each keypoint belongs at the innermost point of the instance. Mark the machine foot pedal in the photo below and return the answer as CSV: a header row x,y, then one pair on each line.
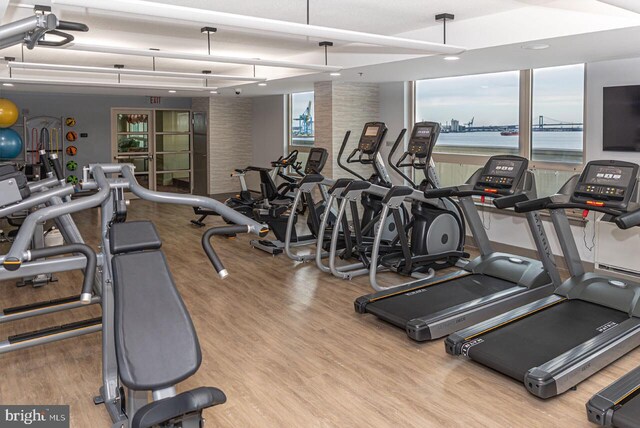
x,y
54,330
40,305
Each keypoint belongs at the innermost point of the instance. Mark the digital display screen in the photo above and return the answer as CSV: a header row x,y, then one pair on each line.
x,y
609,175
315,156
371,131
621,119
423,131
504,168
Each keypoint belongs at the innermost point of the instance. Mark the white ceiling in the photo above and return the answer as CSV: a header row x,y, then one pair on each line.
x,y
479,24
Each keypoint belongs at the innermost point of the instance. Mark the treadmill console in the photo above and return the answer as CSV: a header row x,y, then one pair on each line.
x,y
606,183
502,174
316,160
423,138
371,138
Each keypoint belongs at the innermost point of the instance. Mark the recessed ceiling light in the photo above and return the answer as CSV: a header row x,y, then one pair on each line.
x,y
7,84
262,84
213,92
451,58
335,74
535,46
171,91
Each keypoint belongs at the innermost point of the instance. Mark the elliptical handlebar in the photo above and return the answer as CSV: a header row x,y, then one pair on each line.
x,y
341,152
289,160
396,166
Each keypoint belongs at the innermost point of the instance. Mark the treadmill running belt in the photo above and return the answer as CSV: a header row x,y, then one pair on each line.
x,y
628,416
401,308
536,339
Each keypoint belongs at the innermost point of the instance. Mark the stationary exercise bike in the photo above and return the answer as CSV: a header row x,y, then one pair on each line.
x,y
244,202
278,213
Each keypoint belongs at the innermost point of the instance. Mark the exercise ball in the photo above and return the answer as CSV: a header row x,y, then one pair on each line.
x,y
10,143
8,113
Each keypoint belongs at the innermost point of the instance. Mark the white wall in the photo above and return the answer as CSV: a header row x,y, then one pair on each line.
x,y
393,112
268,132
599,75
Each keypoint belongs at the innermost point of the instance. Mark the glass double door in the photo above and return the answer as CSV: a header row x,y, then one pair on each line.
x,y
158,143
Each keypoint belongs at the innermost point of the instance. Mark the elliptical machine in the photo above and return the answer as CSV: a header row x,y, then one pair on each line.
x,y
430,238
351,241
279,213
434,236
244,202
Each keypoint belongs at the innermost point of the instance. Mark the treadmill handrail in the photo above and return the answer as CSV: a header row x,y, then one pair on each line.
x,y
546,203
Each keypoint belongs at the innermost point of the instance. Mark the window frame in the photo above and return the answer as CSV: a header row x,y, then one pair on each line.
x,y
525,120
290,145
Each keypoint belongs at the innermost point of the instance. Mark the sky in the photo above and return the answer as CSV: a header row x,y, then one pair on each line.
x,y
492,99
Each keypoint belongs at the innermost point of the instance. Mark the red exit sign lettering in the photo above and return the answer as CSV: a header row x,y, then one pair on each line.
x,y
155,100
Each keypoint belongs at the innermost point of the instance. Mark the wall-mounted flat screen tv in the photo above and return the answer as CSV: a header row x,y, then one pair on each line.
x,y
621,119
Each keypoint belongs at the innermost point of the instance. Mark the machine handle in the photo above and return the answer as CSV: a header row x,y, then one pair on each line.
x,y
90,268
509,201
57,167
222,230
628,220
45,162
72,26
532,205
445,192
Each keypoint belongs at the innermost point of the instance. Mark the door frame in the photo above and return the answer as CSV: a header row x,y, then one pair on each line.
x,y
151,131
150,134
193,150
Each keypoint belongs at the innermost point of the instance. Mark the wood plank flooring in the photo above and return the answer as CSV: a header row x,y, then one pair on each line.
x,y
284,343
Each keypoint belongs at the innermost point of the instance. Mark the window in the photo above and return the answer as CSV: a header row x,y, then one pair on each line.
x,y
483,115
301,124
478,114
558,107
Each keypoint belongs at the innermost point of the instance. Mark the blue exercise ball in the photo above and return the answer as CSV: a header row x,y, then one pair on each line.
x,y
10,143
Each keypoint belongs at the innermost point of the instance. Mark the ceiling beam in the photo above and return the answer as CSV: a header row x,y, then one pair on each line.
x,y
632,5
195,57
94,84
211,17
130,71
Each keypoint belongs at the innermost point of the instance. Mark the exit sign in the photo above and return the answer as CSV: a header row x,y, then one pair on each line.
x,y
155,100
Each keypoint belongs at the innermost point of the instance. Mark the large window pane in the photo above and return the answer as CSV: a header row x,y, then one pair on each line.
x,y
558,105
302,119
133,122
173,143
173,161
478,114
133,143
172,121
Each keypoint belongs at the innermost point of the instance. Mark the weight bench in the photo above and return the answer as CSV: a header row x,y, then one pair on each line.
x,y
156,343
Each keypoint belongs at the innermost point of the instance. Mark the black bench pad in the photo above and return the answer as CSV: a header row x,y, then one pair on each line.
x,y
156,343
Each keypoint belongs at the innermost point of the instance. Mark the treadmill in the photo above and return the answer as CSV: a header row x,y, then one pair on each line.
x,y
618,405
590,321
486,286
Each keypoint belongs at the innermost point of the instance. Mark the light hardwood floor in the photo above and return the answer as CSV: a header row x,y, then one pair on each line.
x,y
284,343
